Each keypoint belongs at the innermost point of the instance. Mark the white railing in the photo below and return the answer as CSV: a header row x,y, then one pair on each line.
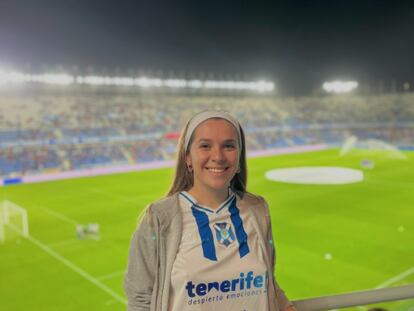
x,y
355,298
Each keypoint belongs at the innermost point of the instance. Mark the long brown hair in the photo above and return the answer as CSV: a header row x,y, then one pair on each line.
x,y
183,179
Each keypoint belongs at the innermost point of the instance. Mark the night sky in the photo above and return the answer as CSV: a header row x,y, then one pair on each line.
x,y
297,44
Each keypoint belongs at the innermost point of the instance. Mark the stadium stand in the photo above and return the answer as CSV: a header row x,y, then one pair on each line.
x,y
61,131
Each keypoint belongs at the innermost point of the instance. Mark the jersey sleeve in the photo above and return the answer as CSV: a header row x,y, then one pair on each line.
x,y
142,263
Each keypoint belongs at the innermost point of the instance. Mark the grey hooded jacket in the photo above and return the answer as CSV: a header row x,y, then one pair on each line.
x,y
155,244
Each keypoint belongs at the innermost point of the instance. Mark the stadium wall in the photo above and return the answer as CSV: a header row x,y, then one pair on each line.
x,y
144,166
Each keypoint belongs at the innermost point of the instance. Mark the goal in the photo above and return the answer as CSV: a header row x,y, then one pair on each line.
x,y
371,147
14,217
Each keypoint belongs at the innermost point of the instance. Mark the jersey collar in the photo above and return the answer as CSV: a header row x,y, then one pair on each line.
x,y
190,201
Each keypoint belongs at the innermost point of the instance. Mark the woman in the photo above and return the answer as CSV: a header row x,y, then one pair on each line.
x,y
208,245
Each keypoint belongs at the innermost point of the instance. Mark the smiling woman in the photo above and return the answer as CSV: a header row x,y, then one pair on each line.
x,y
214,160
209,242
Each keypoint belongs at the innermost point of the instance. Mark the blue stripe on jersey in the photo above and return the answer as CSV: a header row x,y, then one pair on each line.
x,y
207,240
238,226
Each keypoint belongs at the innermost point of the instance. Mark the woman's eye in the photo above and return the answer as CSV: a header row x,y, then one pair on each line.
x,y
204,146
230,146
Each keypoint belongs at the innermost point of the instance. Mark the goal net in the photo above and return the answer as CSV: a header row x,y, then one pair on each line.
x,y
371,147
13,218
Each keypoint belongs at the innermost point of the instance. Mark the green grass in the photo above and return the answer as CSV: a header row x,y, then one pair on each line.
x,y
356,223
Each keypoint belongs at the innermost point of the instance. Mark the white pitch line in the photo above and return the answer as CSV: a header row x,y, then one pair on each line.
x,y
59,215
78,270
397,278
63,242
111,275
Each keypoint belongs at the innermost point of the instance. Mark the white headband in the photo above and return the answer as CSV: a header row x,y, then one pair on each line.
x,y
208,114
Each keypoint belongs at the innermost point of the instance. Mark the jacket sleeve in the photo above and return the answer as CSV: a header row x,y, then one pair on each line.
x,y
142,263
282,300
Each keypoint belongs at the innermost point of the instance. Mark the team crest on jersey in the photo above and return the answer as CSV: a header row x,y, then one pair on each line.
x,y
224,233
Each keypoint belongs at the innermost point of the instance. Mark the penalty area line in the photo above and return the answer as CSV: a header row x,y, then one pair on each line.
x,y
112,275
59,215
63,242
397,278
76,269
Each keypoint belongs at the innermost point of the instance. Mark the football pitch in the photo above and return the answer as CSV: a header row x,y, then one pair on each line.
x,y
330,239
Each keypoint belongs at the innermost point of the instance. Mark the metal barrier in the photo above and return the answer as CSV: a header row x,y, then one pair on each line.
x,y
353,299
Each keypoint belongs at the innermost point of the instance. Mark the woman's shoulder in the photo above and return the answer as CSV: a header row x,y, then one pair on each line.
x,y
252,197
257,201
163,209
164,205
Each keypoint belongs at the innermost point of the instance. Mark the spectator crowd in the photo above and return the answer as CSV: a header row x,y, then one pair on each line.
x,y
70,131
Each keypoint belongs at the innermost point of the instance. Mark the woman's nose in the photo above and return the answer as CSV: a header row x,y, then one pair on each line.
x,y
217,154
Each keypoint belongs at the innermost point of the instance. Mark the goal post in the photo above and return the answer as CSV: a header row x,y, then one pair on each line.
x,y
10,211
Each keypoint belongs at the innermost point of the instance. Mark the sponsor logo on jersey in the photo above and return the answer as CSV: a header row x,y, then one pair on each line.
x,y
244,282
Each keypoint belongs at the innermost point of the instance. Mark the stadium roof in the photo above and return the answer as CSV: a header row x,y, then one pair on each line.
x,y
297,44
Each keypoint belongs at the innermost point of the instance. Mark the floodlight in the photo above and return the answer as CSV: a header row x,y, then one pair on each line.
x,y
264,86
144,82
11,77
60,79
175,83
196,84
93,80
340,86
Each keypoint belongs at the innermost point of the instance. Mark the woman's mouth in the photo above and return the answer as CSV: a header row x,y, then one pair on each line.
x,y
217,170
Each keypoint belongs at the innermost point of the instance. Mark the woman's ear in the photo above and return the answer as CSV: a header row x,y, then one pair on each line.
x,y
188,160
188,164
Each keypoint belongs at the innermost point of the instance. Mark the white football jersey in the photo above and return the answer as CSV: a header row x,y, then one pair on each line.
x,y
220,263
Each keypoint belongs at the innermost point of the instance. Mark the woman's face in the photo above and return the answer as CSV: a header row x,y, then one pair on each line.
x,y
214,155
